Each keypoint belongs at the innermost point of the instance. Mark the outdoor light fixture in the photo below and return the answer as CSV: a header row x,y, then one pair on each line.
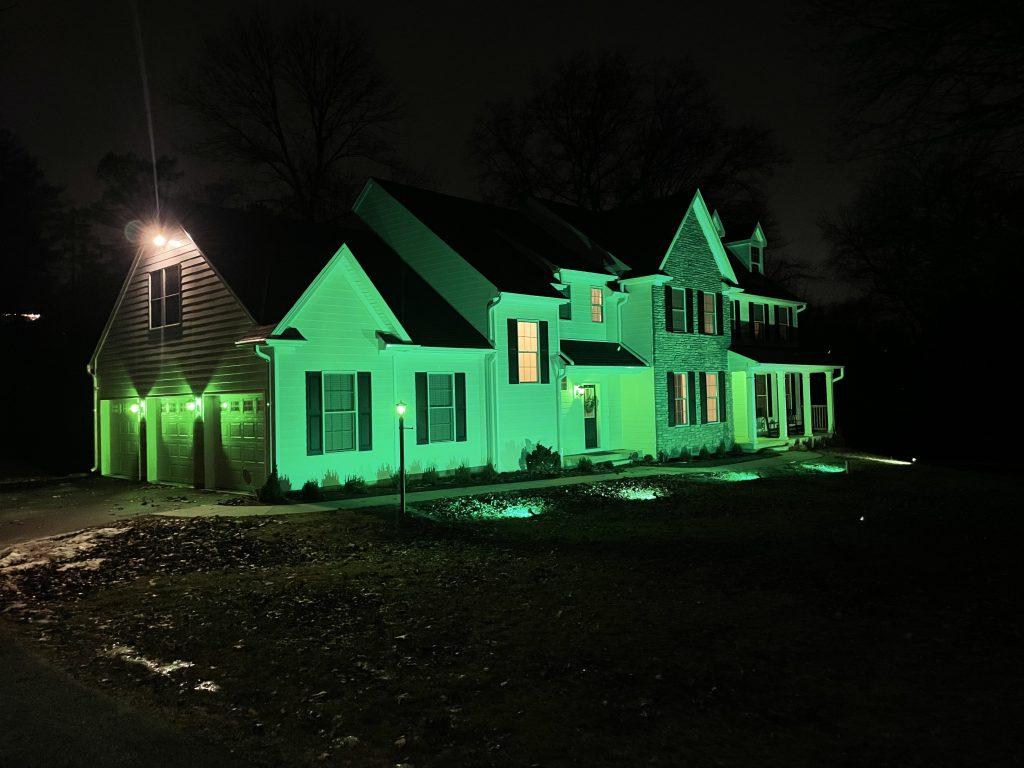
x,y
190,406
159,241
134,408
578,390
400,409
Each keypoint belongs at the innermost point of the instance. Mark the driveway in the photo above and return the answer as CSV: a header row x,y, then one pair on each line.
x,y
59,506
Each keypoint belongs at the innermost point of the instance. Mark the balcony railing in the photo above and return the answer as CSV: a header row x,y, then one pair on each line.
x,y
819,418
771,334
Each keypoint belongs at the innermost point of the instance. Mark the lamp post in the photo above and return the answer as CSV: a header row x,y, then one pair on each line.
x,y
400,410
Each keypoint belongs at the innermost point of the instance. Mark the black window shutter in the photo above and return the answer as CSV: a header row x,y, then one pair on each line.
x,y
513,351
365,393
422,410
314,413
736,314
671,399
542,330
460,407
700,311
689,310
668,309
691,397
719,313
565,310
704,398
722,409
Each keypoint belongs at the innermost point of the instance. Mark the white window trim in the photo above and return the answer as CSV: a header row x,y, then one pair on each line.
x,y
684,377
324,411
709,411
431,408
149,291
599,305
520,352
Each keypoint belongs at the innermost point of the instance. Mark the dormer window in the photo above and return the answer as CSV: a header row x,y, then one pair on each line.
x,y
756,262
597,305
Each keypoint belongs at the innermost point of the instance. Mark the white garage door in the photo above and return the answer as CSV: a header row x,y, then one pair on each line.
x,y
176,422
240,460
123,429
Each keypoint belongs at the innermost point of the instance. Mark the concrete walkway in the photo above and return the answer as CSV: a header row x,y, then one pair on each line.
x,y
361,502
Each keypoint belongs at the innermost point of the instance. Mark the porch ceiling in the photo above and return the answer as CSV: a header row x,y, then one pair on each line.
x,y
785,356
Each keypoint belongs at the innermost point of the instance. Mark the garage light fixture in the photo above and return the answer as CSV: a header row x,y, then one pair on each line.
x,y
159,241
224,405
190,405
135,408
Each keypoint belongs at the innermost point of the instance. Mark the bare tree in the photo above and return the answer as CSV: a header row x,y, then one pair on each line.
x,y
603,130
919,73
303,102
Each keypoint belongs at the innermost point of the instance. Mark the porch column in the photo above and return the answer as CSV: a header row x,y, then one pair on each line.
x,y
751,410
828,401
780,408
805,381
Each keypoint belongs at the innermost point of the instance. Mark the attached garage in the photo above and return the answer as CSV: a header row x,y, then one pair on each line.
x,y
237,428
175,430
121,438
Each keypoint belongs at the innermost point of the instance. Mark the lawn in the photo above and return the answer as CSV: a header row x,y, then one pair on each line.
x,y
870,618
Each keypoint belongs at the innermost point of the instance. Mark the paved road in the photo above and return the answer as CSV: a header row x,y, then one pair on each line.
x,y
47,718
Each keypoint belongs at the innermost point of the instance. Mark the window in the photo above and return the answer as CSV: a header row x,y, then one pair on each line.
x,y
755,259
529,354
708,313
441,407
677,306
757,320
679,403
165,296
339,412
784,318
597,305
711,396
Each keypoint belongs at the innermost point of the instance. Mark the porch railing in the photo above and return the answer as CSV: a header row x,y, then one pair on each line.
x,y
819,418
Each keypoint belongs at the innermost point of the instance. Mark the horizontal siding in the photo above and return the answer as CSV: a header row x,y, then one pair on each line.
x,y
137,362
581,326
638,320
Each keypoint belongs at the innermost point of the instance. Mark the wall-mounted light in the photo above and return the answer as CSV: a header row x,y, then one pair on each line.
x,y
223,405
190,406
159,241
578,390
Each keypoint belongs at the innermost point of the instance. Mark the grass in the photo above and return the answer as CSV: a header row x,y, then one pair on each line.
x,y
726,624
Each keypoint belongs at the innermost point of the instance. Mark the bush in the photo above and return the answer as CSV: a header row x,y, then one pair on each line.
x,y
354,484
704,453
585,465
543,461
462,475
271,492
720,451
488,473
430,476
311,491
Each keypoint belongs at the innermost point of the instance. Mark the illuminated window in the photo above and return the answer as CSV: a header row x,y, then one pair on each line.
x,y
711,396
680,407
165,296
441,407
708,313
529,353
339,412
597,305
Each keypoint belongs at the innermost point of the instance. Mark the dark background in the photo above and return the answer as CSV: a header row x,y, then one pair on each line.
x,y
923,379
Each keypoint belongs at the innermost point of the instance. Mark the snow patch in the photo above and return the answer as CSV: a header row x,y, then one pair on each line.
x,y
207,685
55,549
129,654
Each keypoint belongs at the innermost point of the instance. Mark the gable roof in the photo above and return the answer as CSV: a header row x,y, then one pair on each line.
x,y
757,284
269,261
508,247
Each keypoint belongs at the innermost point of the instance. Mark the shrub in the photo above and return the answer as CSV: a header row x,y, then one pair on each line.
x,y
354,484
488,473
543,461
462,475
271,492
430,476
662,457
311,491
720,451
585,465
704,453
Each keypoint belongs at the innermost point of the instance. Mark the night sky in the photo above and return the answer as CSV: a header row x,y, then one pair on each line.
x,y
70,87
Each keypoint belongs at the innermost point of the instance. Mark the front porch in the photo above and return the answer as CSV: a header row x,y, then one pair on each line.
x,y
777,405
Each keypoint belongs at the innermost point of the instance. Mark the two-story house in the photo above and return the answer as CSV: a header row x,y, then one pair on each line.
x,y
242,342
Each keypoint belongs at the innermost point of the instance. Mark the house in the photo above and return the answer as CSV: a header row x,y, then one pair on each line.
x,y
241,342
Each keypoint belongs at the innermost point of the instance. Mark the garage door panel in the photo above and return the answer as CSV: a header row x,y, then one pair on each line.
x,y
123,430
175,446
240,456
